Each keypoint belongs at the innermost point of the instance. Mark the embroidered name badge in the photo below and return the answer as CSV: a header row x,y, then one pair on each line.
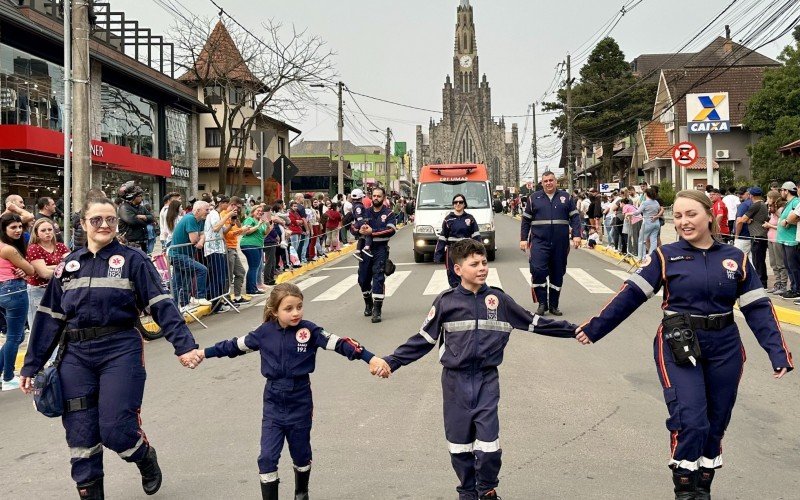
x,y
115,264
676,258
492,302
302,336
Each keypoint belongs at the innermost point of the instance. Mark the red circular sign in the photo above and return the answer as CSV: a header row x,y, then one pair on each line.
x,y
685,154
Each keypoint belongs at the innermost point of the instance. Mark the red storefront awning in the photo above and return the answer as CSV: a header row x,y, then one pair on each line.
x,y
27,138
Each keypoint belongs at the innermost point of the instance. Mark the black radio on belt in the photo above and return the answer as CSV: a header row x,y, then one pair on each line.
x,y
681,338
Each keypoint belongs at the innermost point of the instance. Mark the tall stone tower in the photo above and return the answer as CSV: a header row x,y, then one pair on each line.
x,y
467,133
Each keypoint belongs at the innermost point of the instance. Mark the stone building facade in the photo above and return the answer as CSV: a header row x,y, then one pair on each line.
x,y
467,133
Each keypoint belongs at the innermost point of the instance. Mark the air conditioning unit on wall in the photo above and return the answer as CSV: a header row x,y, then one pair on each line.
x,y
723,154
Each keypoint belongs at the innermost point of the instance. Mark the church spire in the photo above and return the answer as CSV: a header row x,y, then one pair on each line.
x,y
465,3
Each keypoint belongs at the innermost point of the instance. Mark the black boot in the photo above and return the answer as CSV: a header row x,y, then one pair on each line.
x,y
490,495
542,310
151,472
376,311
555,311
685,485
92,490
269,491
704,484
369,304
301,484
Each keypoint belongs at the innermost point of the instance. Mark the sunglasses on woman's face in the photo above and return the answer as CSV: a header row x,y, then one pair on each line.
x,y
459,202
97,222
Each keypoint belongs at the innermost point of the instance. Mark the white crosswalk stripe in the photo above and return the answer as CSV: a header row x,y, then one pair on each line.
x,y
493,279
394,281
619,273
438,283
587,281
526,273
306,283
338,289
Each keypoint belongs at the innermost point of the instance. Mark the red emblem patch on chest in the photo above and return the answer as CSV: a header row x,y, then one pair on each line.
x,y
303,335
730,265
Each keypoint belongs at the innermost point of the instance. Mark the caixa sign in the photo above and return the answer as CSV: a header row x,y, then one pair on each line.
x,y
709,127
181,172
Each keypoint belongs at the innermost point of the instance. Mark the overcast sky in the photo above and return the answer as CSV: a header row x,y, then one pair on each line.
x,y
401,50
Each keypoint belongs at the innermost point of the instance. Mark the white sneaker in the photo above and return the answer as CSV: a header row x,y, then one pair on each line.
x,y
203,302
10,385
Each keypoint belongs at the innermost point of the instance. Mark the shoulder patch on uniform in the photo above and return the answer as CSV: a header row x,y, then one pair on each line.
x,y
59,269
71,266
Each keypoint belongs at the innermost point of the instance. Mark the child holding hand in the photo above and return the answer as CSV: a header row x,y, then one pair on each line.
x,y
288,345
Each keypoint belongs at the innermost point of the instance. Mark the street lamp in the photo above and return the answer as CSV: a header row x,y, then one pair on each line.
x,y
570,121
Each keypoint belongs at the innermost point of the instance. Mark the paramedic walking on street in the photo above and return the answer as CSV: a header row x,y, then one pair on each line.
x,y
546,222
457,225
378,223
93,300
698,351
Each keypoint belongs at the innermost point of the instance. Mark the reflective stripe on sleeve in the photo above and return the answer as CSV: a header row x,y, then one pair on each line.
x,y
534,322
332,340
81,452
487,446
442,238
51,313
752,296
498,326
574,212
441,351
476,233
527,215
85,282
456,448
242,346
458,326
158,298
642,284
129,452
427,337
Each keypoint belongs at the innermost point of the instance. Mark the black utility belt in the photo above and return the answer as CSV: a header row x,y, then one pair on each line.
x,y
80,334
288,383
697,322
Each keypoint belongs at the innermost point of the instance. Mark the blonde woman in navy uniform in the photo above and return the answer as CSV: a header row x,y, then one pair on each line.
x,y
457,225
698,351
96,295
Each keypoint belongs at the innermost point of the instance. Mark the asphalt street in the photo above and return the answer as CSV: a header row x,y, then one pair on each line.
x,y
576,422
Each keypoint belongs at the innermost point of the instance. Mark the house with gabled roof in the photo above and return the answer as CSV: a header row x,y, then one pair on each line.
x,y
222,79
722,66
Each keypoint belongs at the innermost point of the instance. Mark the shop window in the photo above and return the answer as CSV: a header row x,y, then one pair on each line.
x,y
31,90
127,120
213,138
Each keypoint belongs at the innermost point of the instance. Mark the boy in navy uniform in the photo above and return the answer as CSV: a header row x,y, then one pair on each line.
x,y
471,323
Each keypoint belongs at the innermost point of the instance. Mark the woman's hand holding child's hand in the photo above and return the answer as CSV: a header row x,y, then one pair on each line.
x,y
379,367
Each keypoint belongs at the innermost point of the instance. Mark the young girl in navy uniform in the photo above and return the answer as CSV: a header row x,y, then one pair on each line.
x,y
288,345
698,351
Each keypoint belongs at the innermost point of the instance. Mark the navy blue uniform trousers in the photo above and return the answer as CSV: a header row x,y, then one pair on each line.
x,y
472,428
288,408
111,367
371,276
700,398
548,260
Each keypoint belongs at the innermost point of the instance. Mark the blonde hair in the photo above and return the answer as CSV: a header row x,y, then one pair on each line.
x,y
34,239
276,296
701,198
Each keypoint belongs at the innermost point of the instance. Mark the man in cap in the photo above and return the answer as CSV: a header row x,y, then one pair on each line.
x,y
133,216
741,230
754,218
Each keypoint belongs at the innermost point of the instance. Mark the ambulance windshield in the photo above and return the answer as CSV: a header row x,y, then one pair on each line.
x,y
439,195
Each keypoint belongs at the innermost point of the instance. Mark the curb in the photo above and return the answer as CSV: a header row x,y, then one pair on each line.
x,y
784,314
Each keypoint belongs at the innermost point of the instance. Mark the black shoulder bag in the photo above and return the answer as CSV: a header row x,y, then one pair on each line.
x,y
47,396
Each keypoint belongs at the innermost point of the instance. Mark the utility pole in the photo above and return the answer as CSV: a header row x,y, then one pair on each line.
x,y
388,157
570,180
535,149
67,192
340,175
81,137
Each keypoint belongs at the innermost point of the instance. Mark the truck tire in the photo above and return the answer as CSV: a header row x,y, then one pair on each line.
x,y
419,258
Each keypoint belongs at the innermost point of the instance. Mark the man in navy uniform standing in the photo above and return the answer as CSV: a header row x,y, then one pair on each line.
x,y
546,222
379,223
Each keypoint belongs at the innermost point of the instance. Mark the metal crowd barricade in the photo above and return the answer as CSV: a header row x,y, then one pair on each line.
x,y
188,278
219,279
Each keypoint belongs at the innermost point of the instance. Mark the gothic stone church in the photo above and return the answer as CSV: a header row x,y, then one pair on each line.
x,y
467,133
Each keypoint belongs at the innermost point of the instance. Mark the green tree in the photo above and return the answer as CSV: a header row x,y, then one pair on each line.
x,y
666,191
774,112
608,88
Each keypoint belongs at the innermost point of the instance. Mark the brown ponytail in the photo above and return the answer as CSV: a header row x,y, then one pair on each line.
x,y
276,296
